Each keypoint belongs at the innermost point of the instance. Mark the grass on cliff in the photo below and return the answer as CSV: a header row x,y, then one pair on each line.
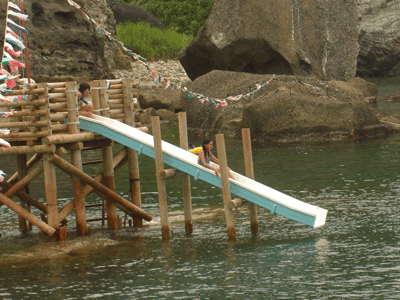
x,y
185,17
152,43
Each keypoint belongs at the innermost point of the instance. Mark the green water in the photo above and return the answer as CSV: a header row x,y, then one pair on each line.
x,y
355,256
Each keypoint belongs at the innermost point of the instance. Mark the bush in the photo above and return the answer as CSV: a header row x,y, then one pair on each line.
x,y
182,16
151,42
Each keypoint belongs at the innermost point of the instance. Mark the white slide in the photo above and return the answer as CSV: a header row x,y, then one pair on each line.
x,y
186,162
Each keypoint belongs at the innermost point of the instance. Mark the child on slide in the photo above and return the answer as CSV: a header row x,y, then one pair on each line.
x,y
85,107
205,157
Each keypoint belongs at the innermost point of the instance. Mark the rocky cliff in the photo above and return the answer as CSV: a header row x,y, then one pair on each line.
x,y
64,45
292,37
379,38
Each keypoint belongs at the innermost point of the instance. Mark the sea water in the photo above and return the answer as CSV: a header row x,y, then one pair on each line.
x,y
355,256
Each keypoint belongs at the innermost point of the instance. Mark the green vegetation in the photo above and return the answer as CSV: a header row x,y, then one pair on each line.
x,y
150,42
182,20
182,16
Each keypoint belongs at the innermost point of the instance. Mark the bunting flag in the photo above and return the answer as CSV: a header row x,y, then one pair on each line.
x,y
18,15
15,25
15,6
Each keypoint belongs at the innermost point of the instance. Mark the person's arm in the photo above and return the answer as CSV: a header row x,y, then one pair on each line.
x,y
214,158
203,162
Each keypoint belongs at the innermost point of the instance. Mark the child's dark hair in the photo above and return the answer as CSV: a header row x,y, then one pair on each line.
x,y
83,87
205,142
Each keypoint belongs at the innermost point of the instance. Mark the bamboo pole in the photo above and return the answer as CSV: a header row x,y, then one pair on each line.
x,y
108,171
22,172
248,163
76,159
187,195
162,193
26,215
226,190
71,170
133,157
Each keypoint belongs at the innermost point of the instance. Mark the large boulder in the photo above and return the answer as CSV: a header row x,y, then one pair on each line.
x,y
125,12
290,109
379,39
64,45
291,37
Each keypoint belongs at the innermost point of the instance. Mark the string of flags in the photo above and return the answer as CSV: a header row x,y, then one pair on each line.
x,y
217,102
13,45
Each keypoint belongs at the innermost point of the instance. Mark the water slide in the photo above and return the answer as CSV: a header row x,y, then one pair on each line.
x,y
186,162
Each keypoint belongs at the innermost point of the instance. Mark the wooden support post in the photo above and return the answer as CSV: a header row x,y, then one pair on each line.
x,y
26,215
51,192
22,172
187,195
248,163
162,193
226,190
108,171
133,160
76,158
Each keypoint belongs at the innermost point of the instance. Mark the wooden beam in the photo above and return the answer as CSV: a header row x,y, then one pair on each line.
x,y
25,197
27,215
70,138
71,170
28,149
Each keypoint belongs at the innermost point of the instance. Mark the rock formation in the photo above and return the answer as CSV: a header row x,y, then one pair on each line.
x,y
379,39
125,12
294,37
290,109
64,45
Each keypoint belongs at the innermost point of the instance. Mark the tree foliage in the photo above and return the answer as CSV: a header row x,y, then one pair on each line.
x,y
183,16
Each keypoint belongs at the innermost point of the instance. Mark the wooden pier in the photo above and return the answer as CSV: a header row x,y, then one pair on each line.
x,y
45,128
